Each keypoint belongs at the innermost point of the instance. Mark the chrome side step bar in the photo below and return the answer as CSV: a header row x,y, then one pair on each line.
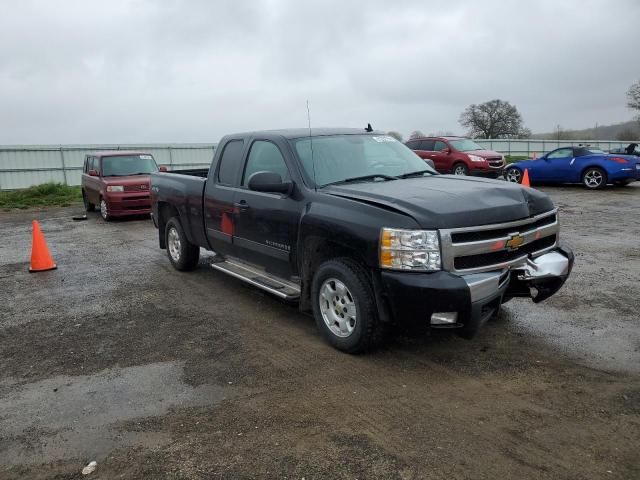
x,y
263,280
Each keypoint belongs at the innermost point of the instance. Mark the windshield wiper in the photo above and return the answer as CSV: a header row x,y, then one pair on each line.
x,y
414,174
369,177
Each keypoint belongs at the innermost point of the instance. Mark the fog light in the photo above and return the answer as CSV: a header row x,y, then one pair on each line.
x,y
444,318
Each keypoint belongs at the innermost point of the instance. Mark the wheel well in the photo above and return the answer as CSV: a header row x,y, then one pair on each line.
x,y
316,251
165,212
459,162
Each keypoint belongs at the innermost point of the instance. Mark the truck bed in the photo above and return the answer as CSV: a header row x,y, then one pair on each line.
x,y
194,172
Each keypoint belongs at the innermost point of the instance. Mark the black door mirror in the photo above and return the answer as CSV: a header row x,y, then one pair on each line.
x,y
268,182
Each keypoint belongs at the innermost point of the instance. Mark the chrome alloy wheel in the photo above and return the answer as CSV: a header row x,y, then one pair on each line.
x,y
338,308
174,244
460,170
593,179
513,175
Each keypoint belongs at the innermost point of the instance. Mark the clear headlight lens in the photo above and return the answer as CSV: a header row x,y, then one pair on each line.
x,y
409,249
476,158
115,188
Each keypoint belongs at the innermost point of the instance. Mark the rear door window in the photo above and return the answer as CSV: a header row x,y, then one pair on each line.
x,y
230,162
426,145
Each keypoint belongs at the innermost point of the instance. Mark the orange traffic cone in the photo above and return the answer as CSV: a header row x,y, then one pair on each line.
x,y
525,178
41,260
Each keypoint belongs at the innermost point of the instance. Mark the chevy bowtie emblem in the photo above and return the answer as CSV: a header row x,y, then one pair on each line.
x,y
514,242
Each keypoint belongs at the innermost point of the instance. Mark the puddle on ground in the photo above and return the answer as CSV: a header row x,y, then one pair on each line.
x,y
76,417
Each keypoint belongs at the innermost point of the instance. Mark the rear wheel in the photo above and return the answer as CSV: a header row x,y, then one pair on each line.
x,y
88,206
460,169
513,175
344,306
594,178
183,254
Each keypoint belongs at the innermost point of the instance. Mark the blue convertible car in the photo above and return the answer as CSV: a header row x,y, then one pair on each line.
x,y
593,168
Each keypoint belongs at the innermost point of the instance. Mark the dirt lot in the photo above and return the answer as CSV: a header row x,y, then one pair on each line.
x,y
116,357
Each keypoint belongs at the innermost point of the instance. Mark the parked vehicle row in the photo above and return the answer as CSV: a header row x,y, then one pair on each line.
x,y
356,228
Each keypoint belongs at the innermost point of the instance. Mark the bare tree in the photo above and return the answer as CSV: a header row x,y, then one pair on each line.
x,y
396,135
493,119
416,134
633,97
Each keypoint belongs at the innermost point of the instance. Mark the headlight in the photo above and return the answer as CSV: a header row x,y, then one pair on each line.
x,y
409,249
115,188
476,158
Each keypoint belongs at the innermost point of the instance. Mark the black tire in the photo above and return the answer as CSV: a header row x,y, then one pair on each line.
x,y
594,178
88,206
460,167
513,175
104,213
183,255
368,331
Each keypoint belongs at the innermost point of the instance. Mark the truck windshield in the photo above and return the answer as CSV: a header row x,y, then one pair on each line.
x,y
337,158
123,165
465,145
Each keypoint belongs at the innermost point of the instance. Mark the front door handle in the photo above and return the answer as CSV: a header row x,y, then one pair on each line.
x,y
242,205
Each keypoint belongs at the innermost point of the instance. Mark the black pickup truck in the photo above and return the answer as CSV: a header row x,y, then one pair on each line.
x,y
359,230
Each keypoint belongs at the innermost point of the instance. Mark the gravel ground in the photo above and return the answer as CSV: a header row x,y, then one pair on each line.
x,y
153,373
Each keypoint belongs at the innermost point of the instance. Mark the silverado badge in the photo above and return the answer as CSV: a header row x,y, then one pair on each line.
x,y
514,242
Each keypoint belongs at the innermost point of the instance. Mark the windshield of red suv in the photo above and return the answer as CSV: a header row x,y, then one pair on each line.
x,y
465,145
337,158
123,165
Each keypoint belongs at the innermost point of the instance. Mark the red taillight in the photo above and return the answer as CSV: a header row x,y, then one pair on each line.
x,y
619,160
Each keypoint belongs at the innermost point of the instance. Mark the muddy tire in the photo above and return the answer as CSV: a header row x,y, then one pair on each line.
x,y
344,306
182,254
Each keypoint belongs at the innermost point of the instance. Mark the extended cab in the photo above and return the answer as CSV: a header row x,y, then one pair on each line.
x,y
117,182
359,230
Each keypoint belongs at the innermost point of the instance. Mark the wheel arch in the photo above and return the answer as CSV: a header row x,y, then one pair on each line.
x,y
165,212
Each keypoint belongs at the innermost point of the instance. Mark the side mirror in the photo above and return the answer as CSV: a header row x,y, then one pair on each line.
x,y
269,182
163,169
93,173
446,151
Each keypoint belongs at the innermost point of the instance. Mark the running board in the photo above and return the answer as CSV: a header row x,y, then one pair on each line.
x,y
272,284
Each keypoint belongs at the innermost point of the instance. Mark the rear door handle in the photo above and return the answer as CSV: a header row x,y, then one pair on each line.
x,y
242,205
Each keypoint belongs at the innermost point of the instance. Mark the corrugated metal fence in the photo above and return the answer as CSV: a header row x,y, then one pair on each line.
x,y
25,165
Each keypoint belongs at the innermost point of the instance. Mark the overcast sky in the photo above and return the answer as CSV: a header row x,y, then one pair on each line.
x,y
190,71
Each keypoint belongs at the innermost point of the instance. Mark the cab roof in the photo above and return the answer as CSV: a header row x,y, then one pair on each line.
x,y
292,133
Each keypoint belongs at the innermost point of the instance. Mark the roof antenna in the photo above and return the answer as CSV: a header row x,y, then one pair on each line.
x,y
313,164
369,128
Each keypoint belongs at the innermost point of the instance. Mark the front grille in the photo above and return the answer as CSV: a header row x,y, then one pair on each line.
x,y
497,163
503,256
136,188
478,235
491,247
137,198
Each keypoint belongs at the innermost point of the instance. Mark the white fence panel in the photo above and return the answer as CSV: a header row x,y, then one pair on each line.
x,y
25,165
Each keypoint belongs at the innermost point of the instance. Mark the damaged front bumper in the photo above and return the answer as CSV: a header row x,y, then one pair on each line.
x,y
466,302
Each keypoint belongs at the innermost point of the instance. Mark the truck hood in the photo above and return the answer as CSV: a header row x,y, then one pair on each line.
x,y
448,201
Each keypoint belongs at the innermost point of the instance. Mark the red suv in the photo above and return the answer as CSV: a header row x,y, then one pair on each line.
x,y
118,182
458,155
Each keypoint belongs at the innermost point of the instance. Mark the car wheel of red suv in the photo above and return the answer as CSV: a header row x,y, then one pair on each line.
x,y
460,169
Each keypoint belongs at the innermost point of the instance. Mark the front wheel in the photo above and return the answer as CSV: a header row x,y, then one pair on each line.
x,y
460,169
594,178
104,210
513,175
183,254
344,306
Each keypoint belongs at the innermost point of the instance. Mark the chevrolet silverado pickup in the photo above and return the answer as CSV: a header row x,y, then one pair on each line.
x,y
358,230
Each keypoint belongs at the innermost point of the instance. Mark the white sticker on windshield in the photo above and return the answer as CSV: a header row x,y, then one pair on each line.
x,y
145,157
384,139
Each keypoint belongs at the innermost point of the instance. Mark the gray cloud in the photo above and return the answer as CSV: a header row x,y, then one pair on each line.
x,y
153,71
